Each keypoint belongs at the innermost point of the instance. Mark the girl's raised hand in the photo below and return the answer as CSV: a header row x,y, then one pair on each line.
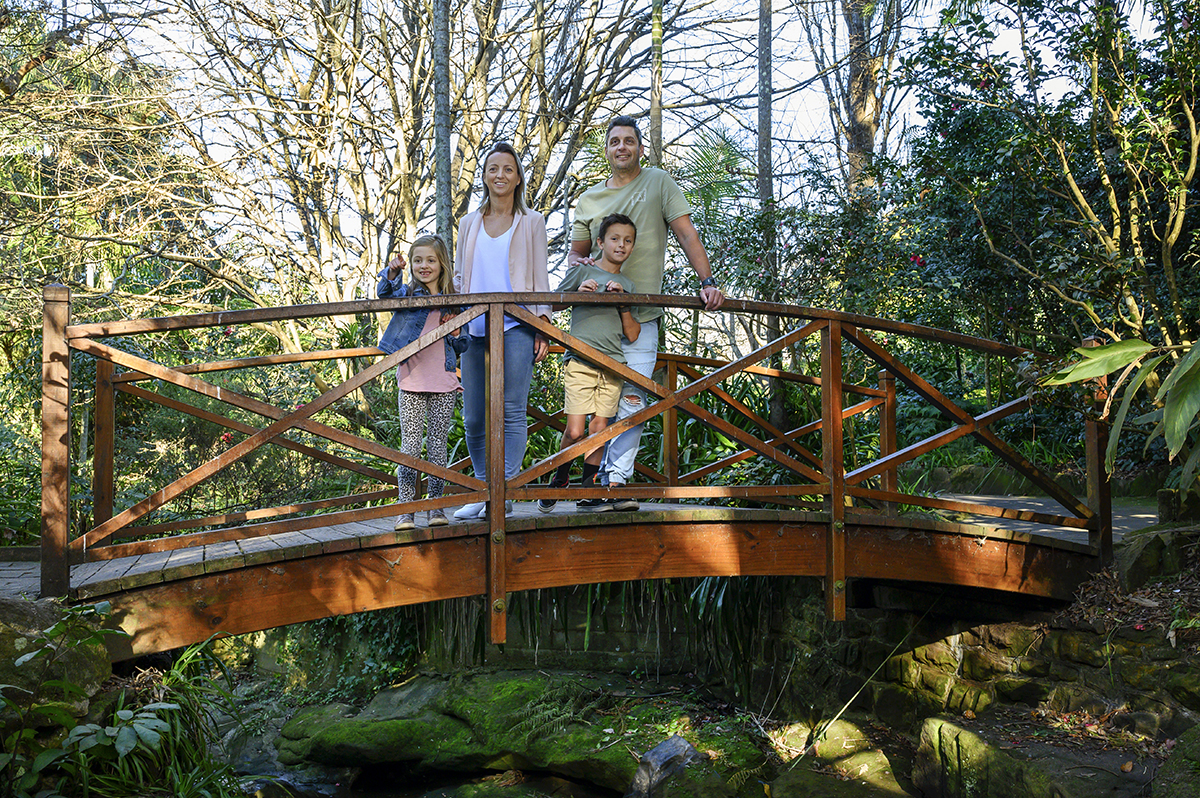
x,y
396,266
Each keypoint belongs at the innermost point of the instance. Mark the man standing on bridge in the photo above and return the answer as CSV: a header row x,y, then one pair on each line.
x,y
654,202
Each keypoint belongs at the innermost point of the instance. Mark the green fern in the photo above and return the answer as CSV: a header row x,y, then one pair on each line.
x,y
562,704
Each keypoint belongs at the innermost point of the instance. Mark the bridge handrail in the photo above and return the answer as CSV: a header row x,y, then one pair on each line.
x,y
824,477
106,329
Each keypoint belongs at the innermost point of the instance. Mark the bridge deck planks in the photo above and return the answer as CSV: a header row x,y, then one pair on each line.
x,y
183,595
90,580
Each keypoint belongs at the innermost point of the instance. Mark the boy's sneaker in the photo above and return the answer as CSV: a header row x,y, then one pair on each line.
x,y
594,505
405,521
437,517
548,505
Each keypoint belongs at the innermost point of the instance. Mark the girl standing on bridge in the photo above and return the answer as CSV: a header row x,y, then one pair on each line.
x,y
428,380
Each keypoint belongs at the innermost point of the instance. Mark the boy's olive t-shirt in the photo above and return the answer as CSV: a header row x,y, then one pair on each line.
x,y
598,325
652,201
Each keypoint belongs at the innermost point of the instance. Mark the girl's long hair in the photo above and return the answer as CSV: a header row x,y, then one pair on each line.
x,y
519,205
445,280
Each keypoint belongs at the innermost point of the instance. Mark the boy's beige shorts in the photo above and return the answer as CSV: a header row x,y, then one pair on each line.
x,y
590,390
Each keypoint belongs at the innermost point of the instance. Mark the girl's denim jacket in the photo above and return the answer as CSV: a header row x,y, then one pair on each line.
x,y
406,324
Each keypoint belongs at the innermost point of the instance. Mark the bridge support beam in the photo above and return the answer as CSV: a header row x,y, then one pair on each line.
x,y
493,363
889,479
104,447
833,463
56,441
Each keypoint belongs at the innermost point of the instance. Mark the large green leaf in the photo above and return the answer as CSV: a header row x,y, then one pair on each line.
x,y
1182,367
1189,469
127,740
1182,405
1119,421
1101,360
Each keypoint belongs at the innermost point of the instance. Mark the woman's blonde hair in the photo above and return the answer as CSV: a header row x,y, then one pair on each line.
x,y
446,276
519,205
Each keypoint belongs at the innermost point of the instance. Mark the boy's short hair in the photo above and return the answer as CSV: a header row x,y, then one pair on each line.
x,y
616,218
624,121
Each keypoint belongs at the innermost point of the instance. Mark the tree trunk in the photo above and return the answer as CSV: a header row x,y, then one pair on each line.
x,y
862,100
766,196
656,83
441,120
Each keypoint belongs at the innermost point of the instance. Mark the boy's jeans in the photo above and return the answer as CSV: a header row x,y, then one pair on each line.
x,y
621,451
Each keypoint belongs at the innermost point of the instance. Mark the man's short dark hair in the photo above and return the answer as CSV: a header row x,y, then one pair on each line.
x,y
624,121
616,218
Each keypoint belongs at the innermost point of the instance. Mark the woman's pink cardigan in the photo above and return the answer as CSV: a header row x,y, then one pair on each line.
x,y
526,255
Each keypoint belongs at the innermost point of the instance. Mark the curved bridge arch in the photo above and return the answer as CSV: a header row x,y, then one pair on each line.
x,y
183,580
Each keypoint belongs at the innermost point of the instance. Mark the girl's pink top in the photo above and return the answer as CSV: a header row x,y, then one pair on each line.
x,y
425,372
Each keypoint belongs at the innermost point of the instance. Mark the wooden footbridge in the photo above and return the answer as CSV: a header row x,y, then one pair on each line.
x,y
175,575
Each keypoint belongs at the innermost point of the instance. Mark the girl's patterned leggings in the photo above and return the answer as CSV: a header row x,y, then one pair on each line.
x,y
415,408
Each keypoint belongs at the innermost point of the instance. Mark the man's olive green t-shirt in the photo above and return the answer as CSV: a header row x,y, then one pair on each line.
x,y
652,201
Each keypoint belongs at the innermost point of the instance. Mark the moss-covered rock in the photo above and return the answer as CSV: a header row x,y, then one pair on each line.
x,y
1074,697
1014,639
965,695
955,763
1022,690
295,738
579,727
939,655
22,632
1179,776
1184,686
1146,556
1084,648
981,664
902,707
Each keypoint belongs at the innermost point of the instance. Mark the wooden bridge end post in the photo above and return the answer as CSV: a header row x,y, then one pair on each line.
x,y
671,429
889,479
1099,485
833,463
493,363
104,444
56,441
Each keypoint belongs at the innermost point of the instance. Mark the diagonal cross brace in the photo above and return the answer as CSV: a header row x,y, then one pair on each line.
x,y
245,447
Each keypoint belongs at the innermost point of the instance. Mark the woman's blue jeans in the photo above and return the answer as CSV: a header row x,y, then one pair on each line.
x,y
517,360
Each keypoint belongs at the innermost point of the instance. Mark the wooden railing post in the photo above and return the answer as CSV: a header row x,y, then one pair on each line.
x,y
56,441
671,429
493,363
889,479
833,463
1099,487
104,445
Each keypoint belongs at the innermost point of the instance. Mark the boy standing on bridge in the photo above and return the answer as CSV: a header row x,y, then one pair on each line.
x,y
590,389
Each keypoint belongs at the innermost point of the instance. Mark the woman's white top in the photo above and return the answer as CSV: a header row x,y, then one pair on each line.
x,y
490,274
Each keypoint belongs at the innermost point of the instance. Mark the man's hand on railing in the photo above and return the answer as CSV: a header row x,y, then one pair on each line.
x,y
712,297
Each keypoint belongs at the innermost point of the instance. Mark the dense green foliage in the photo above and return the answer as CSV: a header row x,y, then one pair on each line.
x,y
152,739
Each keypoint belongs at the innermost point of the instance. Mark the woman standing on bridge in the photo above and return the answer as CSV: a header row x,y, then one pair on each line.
x,y
501,249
